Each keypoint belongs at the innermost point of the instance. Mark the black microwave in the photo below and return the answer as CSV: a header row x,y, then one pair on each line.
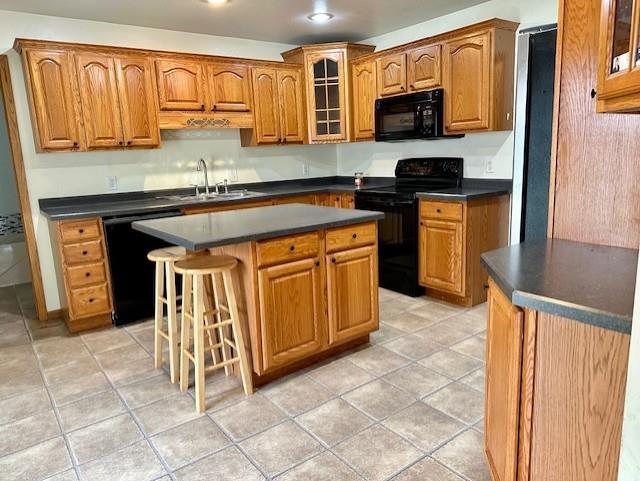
x,y
412,116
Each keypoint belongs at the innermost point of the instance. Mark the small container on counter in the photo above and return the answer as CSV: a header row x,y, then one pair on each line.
x,y
359,179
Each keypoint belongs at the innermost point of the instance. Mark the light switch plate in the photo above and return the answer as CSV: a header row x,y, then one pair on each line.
x,y
488,166
112,183
233,175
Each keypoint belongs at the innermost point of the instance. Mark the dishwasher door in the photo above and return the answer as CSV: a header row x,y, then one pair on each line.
x,y
132,274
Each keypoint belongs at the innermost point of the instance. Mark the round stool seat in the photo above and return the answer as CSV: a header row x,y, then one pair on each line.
x,y
203,265
168,254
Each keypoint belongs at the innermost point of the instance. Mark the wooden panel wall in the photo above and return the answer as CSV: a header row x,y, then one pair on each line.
x,y
597,168
579,392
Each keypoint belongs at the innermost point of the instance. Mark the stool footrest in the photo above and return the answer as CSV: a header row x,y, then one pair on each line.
x,y
215,325
222,364
232,345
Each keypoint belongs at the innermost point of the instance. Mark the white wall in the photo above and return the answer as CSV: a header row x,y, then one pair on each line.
x,y
173,165
8,193
379,159
630,454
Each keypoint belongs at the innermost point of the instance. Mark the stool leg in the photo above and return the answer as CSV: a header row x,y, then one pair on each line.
x,y
172,322
245,371
159,314
187,301
209,304
198,342
222,331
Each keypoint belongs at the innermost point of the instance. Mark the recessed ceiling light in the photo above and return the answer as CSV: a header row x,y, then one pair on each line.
x,y
215,2
320,17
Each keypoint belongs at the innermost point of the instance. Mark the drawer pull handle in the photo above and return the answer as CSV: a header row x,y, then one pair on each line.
x,y
292,248
80,231
84,253
438,211
333,260
91,300
354,236
87,274
317,263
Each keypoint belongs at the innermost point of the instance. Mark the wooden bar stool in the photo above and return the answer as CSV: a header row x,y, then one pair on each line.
x,y
203,310
165,260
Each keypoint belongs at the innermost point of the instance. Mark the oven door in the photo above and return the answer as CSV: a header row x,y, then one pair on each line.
x,y
397,242
397,120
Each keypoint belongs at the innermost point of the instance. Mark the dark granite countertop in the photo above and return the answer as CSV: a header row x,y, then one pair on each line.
x,y
585,282
202,231
138,203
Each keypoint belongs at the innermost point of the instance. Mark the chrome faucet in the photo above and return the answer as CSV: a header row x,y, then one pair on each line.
x,y
202,166
225,183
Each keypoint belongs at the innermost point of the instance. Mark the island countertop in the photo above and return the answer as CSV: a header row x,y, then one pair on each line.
x,y
584,282
203,231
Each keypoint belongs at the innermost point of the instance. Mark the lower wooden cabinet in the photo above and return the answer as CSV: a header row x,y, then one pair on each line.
x,y
451,237
554,395
291,311
352,280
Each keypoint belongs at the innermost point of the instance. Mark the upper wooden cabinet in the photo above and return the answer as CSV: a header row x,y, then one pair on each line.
x,y
99,100
52,87
230,88
424,67
181,85
478,81
618,88
278,107
364,81
138,108
327,88
392,74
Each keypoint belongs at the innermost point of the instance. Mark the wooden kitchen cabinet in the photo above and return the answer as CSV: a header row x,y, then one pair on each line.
x,y
265,109
181,85
424,67
52,89
618,87
392,74
229,88
503,370
352,279
99,100
365,92
291,105
291,294
138,108
478,82
451,237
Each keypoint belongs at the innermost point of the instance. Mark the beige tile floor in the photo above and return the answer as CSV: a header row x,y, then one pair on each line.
x,y
408,407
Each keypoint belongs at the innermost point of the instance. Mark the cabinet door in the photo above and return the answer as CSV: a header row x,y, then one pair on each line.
x,y
265,107
441,255
365,91
326,96
229,87
467,65
503,374
99,99
348,201
291,311
137,101
352,287
56,112
424,67
180,85
291,105
392,74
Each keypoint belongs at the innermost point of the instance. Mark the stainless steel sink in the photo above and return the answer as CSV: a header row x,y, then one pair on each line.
x,y
234,194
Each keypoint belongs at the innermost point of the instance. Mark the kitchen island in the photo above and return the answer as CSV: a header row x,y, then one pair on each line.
x,y
307,279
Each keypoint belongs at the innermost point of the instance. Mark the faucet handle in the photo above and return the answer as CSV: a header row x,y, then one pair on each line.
x,y
197,188
226,186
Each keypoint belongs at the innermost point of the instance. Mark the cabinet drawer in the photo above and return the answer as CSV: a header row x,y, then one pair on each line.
x,y
351,236
79,231
285,249
441,210
89,301
84,252
84,275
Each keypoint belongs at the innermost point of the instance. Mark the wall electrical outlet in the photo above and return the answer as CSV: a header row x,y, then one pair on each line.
x,y
233,175
305,169
112,183
488,166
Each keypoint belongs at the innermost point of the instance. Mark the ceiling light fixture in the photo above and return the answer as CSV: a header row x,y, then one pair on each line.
x,y
216,2
320,17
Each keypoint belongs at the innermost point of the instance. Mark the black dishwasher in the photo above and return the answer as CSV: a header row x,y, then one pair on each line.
x,y
132,274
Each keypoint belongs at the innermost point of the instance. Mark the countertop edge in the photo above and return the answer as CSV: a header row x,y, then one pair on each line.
x,y
453,197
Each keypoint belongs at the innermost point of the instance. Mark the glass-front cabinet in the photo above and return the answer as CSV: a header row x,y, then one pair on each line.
x,y
327,88
618,88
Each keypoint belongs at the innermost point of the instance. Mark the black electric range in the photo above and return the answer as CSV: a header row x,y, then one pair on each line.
x,y
398,232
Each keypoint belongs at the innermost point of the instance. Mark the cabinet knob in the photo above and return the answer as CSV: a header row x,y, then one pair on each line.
x,y
91,300
421,223
292,248
75,144
412,86
333,260
438,211
202,107
593,93
87,274
84,253
120,142
129,142
214,108
401,87
354,236
80,231
317,263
